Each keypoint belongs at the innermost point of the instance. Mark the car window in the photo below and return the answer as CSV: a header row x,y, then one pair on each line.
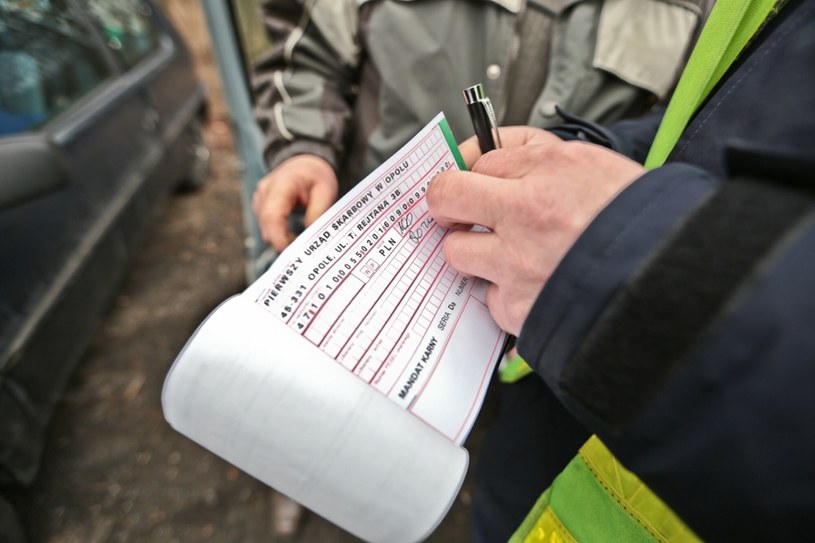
x,y
48,61
128,27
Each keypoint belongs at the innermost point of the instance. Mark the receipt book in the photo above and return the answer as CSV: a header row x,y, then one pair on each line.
x,y
350,373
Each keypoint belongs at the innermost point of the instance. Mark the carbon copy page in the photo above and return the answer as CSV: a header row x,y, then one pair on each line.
x,y
367,284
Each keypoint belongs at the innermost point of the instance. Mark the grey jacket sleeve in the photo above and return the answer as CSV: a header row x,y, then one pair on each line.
x,y
304,86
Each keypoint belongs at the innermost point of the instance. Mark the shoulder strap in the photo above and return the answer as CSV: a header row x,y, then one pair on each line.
x,y
731,26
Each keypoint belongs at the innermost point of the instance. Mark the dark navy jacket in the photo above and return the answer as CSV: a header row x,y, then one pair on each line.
x,y
681,326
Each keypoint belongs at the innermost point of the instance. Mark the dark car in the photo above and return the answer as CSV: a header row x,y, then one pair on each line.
x,y
101,116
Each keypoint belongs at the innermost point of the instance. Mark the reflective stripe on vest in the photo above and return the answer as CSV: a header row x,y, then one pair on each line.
x,y
735,23
513,369
596,499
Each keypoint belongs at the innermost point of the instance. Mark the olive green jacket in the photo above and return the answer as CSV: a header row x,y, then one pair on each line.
x,y
352,80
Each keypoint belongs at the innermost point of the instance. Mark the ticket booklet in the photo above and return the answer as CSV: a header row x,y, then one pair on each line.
x,y
349,374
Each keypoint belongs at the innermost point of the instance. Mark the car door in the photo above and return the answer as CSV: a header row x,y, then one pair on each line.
x,y
154,59
75,140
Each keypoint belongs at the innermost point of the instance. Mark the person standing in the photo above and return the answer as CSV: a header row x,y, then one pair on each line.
x,y
347,83
668,306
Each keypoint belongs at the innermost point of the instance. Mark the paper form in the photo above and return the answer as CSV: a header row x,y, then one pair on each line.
x,y
368,286
349,375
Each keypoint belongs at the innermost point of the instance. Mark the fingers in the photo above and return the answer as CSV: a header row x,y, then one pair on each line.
x,y
273,216
299,180
517,136
474,253
518,161
465,197
511,136
259,194
481,254
536,195
321,197
501,313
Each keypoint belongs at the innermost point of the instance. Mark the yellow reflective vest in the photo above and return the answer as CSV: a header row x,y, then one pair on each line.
x,y
596,499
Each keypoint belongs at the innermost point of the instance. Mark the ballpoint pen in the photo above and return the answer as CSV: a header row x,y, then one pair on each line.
x,y
483,116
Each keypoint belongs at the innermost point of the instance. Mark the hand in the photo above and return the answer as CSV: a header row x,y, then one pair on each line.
x,y
536,195
511,136
305,180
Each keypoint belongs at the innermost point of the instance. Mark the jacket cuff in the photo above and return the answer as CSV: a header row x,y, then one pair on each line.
x,y
631,138
301,147
614,246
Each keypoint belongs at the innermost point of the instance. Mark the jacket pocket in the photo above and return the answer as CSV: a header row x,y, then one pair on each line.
x,y
645,42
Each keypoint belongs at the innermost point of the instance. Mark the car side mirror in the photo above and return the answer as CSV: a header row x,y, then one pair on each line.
x,y
30,167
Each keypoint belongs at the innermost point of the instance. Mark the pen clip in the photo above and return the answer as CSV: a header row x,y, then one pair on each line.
x,y
493,122
485,121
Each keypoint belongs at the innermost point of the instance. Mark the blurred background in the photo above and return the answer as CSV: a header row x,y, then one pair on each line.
x,y
136,231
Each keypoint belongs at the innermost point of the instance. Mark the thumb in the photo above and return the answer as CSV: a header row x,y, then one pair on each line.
x,y
323,196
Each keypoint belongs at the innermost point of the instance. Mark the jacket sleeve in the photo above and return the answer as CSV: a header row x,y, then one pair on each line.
x,y
678,329
304,86
632,137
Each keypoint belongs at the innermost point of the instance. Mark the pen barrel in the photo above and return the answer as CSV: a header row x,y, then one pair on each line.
x,y
483,126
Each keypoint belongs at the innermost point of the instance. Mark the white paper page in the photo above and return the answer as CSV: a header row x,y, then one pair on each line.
x,y
247,389
368,286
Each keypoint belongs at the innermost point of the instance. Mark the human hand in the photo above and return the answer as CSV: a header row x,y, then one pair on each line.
x,y
511,136
305,180
536,195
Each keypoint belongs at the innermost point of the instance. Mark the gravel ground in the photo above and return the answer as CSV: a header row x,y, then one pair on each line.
x,y
113,470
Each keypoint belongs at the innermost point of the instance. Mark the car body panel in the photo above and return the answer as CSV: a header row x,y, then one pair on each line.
x,y
63,255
